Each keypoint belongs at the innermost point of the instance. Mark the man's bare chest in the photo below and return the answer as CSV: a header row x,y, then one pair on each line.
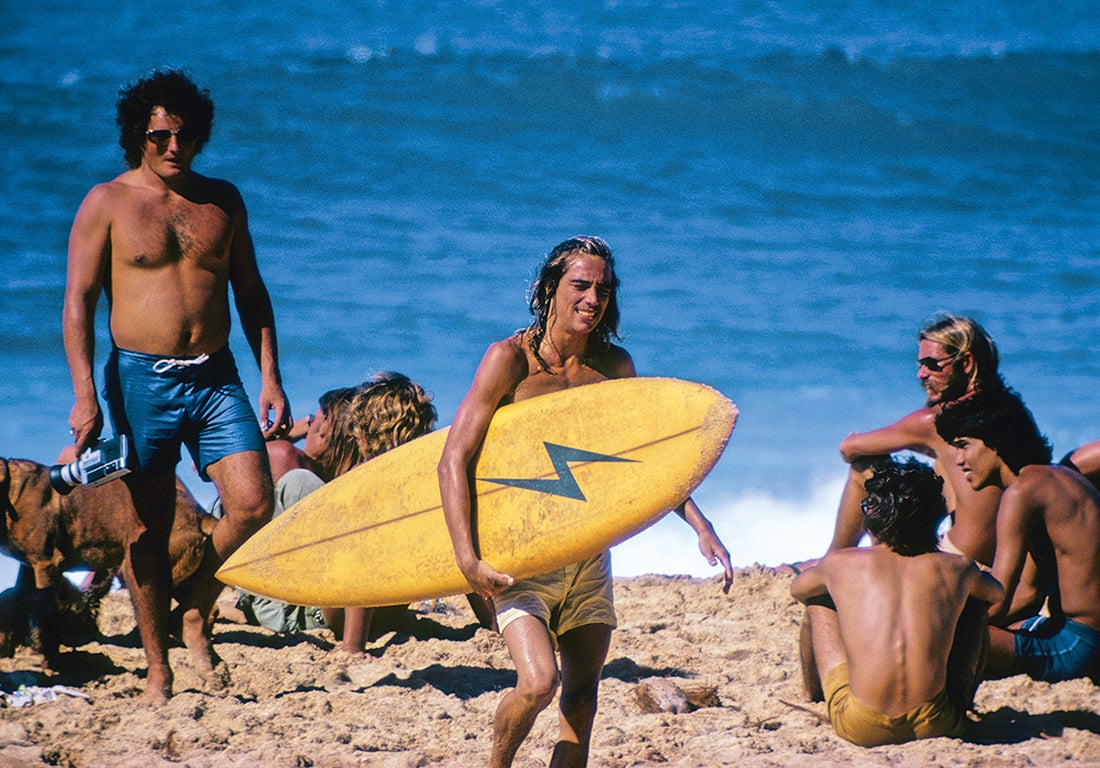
x,y
166,233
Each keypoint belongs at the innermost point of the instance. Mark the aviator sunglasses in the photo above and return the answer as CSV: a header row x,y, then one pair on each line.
x,y
185,134
935,365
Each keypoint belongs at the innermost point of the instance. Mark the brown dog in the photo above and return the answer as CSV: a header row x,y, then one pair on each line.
x,y
86,528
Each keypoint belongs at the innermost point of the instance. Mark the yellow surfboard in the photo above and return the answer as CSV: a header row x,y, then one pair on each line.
x,y
560,477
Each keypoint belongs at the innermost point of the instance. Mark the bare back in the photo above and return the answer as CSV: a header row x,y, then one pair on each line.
x,y
169,267
897,618
1067,505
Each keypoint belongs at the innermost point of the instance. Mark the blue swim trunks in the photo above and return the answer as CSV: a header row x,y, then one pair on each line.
x,y
161,403
1052,650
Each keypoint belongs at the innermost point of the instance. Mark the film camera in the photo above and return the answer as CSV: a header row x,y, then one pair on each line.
x,y
105,461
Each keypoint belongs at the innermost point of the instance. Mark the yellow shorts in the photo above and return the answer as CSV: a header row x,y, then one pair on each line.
x,y
564,599
865,727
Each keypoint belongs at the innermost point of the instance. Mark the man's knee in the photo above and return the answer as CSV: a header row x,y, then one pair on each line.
x,y
248,506
539,689
580,701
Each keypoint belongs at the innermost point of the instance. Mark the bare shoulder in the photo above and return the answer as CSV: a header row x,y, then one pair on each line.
x,y
508,352
220,192
1031,484
503,366
616,363
111,192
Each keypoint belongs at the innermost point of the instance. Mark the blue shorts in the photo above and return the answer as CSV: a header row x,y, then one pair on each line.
x,y
161,403
1052,650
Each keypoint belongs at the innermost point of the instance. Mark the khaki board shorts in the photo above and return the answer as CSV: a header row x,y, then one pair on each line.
x,y
865,727
563,599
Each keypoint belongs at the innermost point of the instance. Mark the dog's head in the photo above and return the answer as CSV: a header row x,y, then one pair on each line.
x,y
26,497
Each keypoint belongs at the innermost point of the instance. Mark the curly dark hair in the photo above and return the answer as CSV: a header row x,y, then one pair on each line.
x,y
542,292
999,418
177,94
904,506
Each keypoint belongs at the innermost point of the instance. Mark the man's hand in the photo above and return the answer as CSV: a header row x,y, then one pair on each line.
x,y
275,412
85,424
486,580
714,551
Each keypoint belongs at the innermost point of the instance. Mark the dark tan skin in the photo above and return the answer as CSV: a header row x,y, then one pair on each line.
x,y
165,244
894,623
509,372
975,512
1087,460
974,519
1042,502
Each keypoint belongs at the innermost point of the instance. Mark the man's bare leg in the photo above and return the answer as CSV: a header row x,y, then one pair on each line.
x,y
537,680
147,570
583,652
811,678
828,648
1002,654
355,630
1087,460
244,485
969,653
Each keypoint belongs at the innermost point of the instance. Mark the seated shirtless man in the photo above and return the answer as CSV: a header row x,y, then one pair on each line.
x,y
1049,511
885,658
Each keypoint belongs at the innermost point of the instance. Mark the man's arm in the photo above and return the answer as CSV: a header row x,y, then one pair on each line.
x,y
257,321
709,543
89,252
810,585
985,587
1014,520
914,432
502,367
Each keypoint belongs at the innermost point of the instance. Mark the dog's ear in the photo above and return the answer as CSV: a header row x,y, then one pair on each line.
x,y
5,477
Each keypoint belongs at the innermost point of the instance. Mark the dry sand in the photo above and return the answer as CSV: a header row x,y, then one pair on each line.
x,y
425,696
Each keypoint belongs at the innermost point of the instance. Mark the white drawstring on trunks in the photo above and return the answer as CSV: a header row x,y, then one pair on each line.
x,y
172,363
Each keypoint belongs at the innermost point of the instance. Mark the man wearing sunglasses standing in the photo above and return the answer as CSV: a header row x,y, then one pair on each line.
x,y
165,244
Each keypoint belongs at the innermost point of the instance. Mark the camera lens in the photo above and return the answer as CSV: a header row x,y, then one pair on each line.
x,y
63,477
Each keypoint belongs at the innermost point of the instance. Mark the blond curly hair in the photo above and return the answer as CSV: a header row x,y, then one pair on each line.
x,y
389,410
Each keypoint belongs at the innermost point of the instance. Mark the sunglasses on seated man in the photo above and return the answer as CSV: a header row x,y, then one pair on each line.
x,y
935,365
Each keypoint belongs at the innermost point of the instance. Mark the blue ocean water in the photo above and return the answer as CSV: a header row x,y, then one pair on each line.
x,y
791,191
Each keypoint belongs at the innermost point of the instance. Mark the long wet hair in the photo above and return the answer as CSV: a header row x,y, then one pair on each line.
x,y
177,94
999,418
904,506
541,296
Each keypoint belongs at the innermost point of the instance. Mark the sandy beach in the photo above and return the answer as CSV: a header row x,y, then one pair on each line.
x,y
424,695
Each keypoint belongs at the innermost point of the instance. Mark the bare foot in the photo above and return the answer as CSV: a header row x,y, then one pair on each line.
x,y
158,685
350,650
194,636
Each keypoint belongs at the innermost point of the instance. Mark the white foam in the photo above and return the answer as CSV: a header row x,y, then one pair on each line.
x,y
756,527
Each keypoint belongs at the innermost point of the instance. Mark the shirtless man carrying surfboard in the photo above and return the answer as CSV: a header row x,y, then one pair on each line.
x,y
567,345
